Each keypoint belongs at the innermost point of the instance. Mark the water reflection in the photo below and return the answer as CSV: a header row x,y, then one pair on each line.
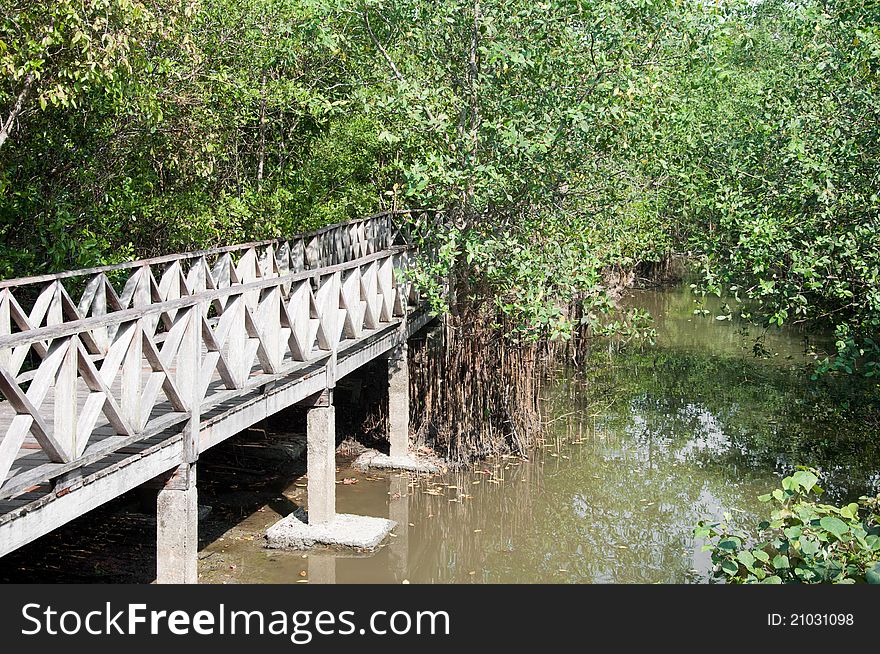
x,y
640,446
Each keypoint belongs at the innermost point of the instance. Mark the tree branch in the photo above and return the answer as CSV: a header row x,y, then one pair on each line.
x,y
379,46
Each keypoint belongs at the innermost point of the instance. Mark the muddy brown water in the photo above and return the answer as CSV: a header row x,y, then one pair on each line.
x,y
640,445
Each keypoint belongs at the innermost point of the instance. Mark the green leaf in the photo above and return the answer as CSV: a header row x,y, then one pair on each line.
x,y
730,567
780,562
761,555
850,511
805,479
772,579
872,576
834,525
746,558
809,546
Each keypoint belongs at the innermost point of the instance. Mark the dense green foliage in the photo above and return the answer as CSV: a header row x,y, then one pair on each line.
x,y
137,127
775,165
804,541
563,140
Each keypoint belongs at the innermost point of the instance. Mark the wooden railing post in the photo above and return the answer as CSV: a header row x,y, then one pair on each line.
x,y
65,422
189,380
5,327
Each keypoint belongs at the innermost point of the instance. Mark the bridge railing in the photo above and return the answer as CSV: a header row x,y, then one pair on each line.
x,y
185,332
31,302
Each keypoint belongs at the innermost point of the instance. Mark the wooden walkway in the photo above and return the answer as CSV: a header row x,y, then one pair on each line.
x,y
161,359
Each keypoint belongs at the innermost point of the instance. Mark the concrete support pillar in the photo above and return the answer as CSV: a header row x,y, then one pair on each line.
x,y
177,528
324,526
321,460
398,401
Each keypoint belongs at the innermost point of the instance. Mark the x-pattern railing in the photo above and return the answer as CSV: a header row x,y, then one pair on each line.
x,y
185,328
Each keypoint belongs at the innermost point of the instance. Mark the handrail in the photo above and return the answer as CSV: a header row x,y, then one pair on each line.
x,y
62,330
168,258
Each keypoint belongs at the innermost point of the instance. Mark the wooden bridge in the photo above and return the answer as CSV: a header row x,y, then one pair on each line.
x,y
163,358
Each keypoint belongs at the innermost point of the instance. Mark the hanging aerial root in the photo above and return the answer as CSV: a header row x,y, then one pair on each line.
x,y
475,393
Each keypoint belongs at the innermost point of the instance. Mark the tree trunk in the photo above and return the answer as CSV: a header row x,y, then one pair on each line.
x,y
262,132
6,129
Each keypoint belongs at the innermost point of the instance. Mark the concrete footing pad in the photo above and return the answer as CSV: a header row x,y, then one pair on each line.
x,y
378,461
345,530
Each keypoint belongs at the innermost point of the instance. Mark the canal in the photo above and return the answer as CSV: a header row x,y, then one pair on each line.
x,y
640,444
